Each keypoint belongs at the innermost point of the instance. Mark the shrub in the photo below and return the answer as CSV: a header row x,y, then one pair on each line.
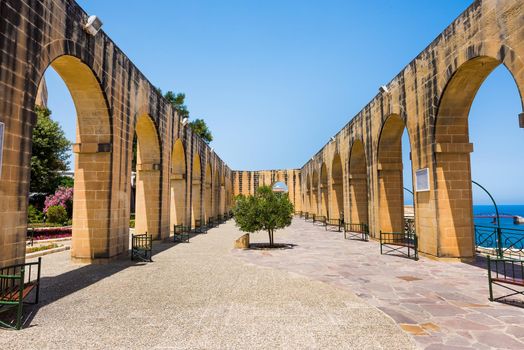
x,y
62,197
132,223
57,214
34,215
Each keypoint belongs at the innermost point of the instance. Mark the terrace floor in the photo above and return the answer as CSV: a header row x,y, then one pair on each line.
x,y
197,295
325,292
442,305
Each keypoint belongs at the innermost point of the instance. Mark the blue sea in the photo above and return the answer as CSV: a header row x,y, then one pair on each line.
x,y
486,237
503,209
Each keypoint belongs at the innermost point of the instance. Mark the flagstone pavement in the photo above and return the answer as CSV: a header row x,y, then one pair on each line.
x,y
442,305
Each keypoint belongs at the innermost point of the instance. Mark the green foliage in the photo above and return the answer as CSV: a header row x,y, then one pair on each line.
x,y
50,153
132,223
177,100
66,181
34,215
200,128
265,211
57,214
40,248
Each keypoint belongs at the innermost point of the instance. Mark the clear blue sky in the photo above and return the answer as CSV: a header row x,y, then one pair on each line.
x,y
276,79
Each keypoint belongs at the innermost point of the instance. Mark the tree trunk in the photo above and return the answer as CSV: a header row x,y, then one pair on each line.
x,y
271,241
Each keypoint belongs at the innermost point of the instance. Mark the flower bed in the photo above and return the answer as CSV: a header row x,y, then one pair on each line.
x,y
40,248
40,233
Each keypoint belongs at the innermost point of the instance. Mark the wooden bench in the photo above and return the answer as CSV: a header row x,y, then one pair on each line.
x,y
142,247
395,242
181,233
199,227
16,283
338,223
508,274
319,218
356,231
211,222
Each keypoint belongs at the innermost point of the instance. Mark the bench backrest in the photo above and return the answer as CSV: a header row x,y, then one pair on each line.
x,y
501,268
14,277
401,238
356,227
142,241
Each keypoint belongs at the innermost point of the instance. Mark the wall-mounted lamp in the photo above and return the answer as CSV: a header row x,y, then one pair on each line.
x,y
521,120
383,89
93,25
311,158
212,150
184,121
332,138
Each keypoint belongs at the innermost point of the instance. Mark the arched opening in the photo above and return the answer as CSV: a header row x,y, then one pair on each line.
x,y
314,193
307,197
178,185
196,191
208,194
223,195
216,195
324,191
358,184
390,175
493,123
91,235
148,165
280,187
337,189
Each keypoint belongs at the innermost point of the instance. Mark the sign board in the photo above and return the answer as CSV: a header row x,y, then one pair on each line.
x,y
422,180
2,128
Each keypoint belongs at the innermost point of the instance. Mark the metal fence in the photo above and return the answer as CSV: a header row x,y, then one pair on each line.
x,y
505,242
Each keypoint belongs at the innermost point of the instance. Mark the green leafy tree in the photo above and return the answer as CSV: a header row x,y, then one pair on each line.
x,y
265,211
177,100
200,128
50,153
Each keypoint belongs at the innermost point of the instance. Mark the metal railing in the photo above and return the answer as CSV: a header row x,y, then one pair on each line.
x,y
504,241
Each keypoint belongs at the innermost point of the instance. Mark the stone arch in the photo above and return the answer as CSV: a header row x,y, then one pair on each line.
x,y
208,193
337,188
452,170
223,195
177,184
324,210
148,177
93,162
278,187
196,191
390,181
307,197
358,184
314,193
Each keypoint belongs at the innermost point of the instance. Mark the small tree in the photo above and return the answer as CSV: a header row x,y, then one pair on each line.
x,y
177,101
265,211
200,128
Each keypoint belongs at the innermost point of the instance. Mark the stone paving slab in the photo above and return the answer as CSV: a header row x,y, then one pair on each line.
x,y
196,295
442,305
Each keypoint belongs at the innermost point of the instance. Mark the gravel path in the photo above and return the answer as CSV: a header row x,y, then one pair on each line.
x,y
196,296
